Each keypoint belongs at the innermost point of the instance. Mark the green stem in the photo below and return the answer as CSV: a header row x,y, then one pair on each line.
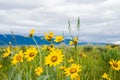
x,y
77,54
13,72
4,76
26,69
36,43
47,71
57,73
114,75
38,50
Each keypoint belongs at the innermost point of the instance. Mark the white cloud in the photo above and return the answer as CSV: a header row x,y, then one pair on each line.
x,y
99,18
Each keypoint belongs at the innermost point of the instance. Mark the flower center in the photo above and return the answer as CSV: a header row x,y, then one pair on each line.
x,y
38,70
49,38
30,35
54,59
73,70
75,42
59,39
51,45
18,58
115,64
32,54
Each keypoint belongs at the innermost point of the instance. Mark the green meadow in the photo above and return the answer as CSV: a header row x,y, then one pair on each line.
x,y
94,61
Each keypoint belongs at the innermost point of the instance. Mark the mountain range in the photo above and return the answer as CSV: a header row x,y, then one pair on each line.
x,y
21,40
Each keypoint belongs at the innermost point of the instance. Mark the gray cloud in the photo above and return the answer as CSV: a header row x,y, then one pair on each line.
x,y
99,18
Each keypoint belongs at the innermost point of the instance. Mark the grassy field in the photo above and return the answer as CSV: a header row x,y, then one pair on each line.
x,y
64,62
90,63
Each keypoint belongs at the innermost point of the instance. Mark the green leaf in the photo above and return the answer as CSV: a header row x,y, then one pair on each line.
x,y
43,77
18,76
4,76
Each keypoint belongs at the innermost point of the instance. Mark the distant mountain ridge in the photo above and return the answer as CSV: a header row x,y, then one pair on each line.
x,y
21,40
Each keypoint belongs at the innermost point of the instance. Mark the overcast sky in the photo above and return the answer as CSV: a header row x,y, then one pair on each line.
x,y
100,19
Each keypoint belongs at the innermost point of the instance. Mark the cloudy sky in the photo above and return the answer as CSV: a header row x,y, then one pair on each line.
x,y
100,19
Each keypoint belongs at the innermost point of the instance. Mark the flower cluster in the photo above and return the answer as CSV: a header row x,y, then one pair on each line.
x,y
51,62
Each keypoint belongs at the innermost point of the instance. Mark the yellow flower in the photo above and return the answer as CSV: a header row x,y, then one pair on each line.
x,y
71,43
115,65
50,47
73,71
105,76
7,53
49,36
1,66
83,55
54,58
38,71
32,31
17,58
16,48
62,67
116,47
70,60
59,39
78,78
44,47
74,41
108,46
30,53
